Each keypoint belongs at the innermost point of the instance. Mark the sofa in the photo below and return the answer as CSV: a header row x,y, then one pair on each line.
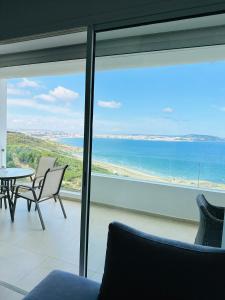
x,y
143,266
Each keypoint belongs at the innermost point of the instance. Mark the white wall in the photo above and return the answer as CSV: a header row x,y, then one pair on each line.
x,y
168,200
3,121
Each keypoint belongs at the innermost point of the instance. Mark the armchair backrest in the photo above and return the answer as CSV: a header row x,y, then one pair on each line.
x,y
45,163
52,181
142,266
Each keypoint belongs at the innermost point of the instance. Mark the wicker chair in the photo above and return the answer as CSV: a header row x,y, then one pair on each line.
x,y
48,189
211,223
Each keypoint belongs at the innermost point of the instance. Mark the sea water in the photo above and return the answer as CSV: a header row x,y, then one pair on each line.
x,y
186,160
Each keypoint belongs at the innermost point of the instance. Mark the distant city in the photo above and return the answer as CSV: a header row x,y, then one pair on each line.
x,y
50,134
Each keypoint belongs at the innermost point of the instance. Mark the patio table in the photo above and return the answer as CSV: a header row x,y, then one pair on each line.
x,y
8,177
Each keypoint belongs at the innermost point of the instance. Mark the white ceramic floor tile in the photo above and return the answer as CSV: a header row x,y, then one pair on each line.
x,y
7,294
28,254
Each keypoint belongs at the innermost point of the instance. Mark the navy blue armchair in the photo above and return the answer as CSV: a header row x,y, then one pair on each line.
x,y
142,266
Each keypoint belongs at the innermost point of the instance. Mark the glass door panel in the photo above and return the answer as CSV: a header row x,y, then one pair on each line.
x,y
158,137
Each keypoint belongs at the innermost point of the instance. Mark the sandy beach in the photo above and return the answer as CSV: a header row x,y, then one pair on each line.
x,y
117,170
127,172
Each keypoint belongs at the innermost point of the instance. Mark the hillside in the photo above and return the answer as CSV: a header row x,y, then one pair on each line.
x,y
25,151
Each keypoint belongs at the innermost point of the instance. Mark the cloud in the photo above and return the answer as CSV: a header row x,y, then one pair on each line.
x,y
45,97
28,83
217,107
109,104
168,109
58,93
31,103
64,94
13,91
75,125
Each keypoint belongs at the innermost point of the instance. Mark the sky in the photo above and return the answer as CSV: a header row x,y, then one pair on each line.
x,y
168,100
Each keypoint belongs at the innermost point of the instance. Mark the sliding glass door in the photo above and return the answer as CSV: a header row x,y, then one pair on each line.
x,y
158,131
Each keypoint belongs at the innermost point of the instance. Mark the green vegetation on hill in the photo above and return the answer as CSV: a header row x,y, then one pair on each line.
x,y
25,151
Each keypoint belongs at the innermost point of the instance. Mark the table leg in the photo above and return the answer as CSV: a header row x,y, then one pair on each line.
x,y
8,184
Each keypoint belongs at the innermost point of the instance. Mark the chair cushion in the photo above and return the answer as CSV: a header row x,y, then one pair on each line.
x,y
138,264
59,285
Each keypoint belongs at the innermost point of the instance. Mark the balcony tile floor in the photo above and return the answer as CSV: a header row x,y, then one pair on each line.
x,y
8,294
27,254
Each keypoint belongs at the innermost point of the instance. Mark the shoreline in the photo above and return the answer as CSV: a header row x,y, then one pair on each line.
x,y
150,138
127,172
135,174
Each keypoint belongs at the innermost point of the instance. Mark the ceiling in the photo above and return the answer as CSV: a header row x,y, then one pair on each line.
x,y
79,35
137,60
144,59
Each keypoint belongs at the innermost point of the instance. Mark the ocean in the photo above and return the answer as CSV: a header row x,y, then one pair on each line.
x,y
185,160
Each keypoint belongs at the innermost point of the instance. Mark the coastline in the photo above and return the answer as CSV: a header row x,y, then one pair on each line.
x,y
128,172
19,143
117,170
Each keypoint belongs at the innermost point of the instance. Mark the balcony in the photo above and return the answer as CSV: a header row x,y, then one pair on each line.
x,y
27,254
161,205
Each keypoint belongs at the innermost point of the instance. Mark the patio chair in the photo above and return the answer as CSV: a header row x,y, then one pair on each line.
x,y
210,229
45,163
49,188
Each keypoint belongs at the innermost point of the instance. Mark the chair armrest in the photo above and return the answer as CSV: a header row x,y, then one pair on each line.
x,y
39,183
59,285
24,187
32,177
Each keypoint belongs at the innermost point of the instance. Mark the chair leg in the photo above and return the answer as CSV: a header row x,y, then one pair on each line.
x,y
5,202
61,204
13,209
29,205
40,215
1,203
55,198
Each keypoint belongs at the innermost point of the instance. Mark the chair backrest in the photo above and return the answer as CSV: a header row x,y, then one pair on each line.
x,y
203,204
45,163
52,181
142,266
208,208
210,228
